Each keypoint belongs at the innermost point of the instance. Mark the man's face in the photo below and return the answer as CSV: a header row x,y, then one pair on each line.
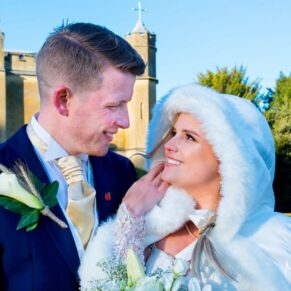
x,y
96,115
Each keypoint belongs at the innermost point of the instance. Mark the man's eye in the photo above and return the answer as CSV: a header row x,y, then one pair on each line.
x,y
112,107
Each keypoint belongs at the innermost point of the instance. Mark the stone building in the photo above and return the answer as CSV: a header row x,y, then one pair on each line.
x,y
132,140
19,97
18,89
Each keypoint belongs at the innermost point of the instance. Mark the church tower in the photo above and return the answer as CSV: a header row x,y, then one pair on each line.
x,y
2,90
133,139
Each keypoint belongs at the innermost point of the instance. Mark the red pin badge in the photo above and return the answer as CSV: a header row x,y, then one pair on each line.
x,y
108,196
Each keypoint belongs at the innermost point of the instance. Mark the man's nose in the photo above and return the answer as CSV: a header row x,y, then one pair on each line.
x,y
122,120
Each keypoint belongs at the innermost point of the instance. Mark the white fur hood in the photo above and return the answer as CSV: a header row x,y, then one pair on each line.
x,y
242,141
244,145
246,224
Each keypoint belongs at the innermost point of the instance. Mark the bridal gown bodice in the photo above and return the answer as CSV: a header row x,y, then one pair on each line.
x,y
159,259
129,233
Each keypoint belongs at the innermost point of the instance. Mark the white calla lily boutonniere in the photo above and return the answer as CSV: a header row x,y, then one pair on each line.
x,y
21,192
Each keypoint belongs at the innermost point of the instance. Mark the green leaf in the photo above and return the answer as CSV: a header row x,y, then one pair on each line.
x,y
28,219
14,205
49,194
36,182
32,226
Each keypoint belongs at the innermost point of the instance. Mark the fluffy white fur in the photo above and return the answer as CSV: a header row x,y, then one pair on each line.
x,y
243,143
159,221
224,134
252,241
98,249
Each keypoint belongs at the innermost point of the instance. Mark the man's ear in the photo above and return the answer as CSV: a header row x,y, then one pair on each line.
x,y
61,100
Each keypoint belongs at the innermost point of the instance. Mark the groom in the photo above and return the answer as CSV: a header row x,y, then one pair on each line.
x,y
86,75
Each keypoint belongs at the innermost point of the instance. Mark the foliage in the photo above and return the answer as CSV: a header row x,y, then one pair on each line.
x,y
118,276
233,81
282,94
140,172
279,118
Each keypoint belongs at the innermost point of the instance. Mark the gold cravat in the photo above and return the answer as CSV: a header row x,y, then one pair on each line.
x,y
81,196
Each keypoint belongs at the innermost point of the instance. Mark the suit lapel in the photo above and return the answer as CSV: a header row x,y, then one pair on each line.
x,y
64,241
23,150
104,185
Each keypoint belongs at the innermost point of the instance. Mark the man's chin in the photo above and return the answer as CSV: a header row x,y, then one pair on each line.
x,y
99,152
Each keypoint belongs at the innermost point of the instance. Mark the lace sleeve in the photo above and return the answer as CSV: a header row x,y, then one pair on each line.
x,y
129,233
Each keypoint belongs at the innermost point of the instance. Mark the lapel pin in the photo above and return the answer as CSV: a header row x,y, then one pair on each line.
x,y
108,196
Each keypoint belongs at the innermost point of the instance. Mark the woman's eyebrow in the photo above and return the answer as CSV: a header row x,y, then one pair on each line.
x,y
191,132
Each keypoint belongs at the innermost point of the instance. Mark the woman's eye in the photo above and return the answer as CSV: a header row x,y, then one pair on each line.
x,y
172,132
190,137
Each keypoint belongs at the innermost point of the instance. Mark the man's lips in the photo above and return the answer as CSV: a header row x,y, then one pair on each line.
x,y
109,135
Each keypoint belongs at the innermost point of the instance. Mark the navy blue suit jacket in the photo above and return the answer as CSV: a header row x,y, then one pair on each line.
x,y
46,258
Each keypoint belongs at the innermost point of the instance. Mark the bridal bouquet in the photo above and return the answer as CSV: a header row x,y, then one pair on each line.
x,y
131,277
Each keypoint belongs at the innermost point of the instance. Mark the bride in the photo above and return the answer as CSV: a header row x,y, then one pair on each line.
x,y
217,153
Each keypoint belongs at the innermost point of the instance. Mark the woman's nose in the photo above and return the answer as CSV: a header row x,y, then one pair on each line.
x,y
171,145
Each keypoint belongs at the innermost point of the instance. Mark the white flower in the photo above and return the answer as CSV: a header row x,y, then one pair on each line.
x,y
177,284
193,285
168,280
207,288
149,284
181,267
134,268
10,187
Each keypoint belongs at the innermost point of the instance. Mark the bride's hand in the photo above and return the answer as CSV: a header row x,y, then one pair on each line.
x,y
145,193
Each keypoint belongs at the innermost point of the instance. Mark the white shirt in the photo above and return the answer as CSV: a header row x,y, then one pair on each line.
x,y
55,151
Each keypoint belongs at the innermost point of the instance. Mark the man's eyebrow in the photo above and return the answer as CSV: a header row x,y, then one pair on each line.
x,y
113,103
116,101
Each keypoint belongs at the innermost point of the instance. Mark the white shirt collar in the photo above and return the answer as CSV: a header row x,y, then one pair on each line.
x,y
54,150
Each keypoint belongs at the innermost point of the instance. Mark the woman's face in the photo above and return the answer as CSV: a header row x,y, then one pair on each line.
x,y
190,162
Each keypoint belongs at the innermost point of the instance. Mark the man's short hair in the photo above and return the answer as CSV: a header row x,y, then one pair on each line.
x,y
78,52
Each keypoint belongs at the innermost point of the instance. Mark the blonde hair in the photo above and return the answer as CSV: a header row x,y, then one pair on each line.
x,y
203,245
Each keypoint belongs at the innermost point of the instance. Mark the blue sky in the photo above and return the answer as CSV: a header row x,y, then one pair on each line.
x,y
192,35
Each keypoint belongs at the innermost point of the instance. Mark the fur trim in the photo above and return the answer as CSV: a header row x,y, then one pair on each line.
x,y
99,249
242,141
244,163
159,221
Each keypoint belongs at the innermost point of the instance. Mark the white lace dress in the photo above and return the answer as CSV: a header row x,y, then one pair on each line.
x,y
159,259
115,236
129,233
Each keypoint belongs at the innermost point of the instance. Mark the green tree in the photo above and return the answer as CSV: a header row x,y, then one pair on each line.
x,y
233,81
279,118
282,94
